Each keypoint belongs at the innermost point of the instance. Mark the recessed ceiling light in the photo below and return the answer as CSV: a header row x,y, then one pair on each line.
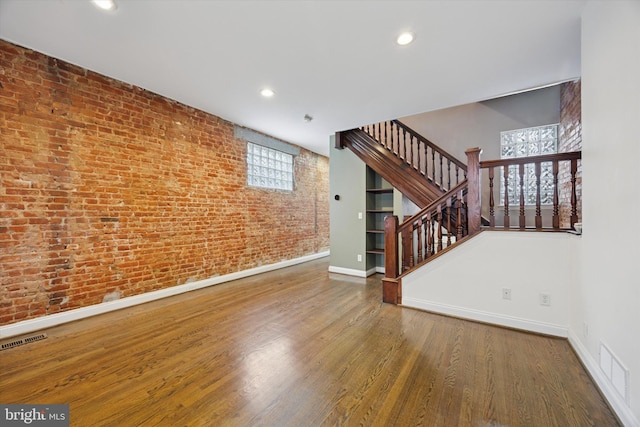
x,y
267,93
404,38
109,5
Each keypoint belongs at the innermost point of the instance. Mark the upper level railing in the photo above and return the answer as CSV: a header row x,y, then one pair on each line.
x,y
435,164
449,220
514,172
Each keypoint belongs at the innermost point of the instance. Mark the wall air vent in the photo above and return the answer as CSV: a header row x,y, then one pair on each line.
x,y
21,341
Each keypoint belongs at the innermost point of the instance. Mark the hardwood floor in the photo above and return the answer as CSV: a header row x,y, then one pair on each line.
x,y
299,347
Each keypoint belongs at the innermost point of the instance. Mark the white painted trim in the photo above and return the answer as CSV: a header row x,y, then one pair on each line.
x,y
619,406
487,317
347,271
354,272
32,325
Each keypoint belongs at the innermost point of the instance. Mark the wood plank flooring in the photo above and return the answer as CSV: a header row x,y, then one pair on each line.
x,y
299,347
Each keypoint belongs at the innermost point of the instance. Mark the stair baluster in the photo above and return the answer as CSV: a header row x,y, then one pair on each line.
x,y
521,187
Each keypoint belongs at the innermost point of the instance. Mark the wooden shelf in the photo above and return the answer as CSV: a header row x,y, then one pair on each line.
x,y
379,204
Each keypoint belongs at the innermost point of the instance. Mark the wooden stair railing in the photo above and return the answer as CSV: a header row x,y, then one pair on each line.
x,y
390,167
435,164
422,238
437,228
518,169
419,169
430,231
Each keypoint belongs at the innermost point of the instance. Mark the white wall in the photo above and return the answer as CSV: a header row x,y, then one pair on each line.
x,y
479,124
608,297
468,281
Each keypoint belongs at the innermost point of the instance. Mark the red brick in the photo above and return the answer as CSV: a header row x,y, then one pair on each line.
x,y
82,149
570,139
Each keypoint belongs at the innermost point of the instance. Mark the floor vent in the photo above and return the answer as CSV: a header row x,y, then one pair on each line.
x,y
21,341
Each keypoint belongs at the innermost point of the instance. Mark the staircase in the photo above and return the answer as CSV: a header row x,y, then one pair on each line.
x,y
418,168
449,194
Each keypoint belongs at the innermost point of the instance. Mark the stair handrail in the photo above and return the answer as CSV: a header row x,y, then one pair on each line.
x,y
430,160
571,157
401,253
441,224
464,186
431,144
410,182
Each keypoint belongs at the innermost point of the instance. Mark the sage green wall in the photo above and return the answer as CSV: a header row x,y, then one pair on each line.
x,y
347,232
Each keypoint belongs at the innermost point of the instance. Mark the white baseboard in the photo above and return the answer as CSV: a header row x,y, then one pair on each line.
x,y
487,317
48,321
354,272
618,404
347,271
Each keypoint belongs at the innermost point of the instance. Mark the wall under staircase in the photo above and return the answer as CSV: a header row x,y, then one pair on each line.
x,y
494,261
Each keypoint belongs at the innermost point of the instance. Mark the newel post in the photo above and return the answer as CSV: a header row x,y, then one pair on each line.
x,y
474,212
390,283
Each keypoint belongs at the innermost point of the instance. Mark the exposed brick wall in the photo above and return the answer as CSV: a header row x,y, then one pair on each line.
x,y
108,190
570,139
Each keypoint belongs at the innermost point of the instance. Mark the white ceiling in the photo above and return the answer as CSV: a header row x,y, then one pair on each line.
x,y
334,60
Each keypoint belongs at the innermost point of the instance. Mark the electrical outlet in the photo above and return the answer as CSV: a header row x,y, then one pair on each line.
x,y
359,258
545,299
506,293
585,329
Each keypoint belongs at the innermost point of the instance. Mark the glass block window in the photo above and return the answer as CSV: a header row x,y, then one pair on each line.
x,y
527,142
269,168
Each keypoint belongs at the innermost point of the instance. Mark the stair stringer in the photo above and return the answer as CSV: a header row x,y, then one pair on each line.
x,y
409,181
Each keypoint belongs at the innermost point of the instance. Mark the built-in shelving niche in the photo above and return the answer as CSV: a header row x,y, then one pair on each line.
x,y
380,204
